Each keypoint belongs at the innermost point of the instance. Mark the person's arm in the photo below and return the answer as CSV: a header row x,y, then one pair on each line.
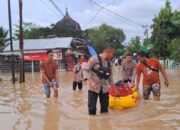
x,y
74,71
110,79
91,83
123,71
56,74
86,69
43,75
134,73
111,83
57,77
166,82
137,82
138,76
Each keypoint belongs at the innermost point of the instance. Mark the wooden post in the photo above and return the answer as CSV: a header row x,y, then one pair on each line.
x,y
21,45
32,66
11,42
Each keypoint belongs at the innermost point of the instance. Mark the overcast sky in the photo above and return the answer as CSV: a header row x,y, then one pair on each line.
x,y
43,13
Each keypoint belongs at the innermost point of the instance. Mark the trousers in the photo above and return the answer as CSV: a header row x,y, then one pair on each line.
x,y
92,101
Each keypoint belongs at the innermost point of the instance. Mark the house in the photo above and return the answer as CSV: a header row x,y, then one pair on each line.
x,y
65,49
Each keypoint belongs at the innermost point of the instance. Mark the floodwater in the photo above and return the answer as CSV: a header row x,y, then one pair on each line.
x,y
24,107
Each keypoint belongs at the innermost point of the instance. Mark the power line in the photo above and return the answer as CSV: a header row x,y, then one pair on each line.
x,y
56,7
55,13
116,14
98,13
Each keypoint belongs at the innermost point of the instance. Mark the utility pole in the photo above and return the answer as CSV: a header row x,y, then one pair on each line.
x,y
146,30
11,42
21,46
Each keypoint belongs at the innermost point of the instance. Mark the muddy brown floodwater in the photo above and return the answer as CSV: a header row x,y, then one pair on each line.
x,y
24,107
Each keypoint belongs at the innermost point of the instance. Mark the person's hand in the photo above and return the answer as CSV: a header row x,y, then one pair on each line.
x,y
117,93
57,85
50,84
133,81
136,88
166,83
93,85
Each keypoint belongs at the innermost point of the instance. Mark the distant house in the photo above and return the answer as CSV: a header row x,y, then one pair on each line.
x,y
65,49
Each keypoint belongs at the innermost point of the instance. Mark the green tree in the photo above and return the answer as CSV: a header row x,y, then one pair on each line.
x,y
3,37
174,47
41,32
166,33
175,50
162,30
67,32
175,22
104,34
134,45
33,31
28,29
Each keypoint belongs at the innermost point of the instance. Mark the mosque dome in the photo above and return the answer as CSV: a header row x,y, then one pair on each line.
x,y
67,23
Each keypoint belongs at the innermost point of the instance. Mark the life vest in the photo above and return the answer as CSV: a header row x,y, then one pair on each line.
x,y
102,72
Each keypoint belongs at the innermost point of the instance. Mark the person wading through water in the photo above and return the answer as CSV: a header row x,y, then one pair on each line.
x,y
150,68
97,73
50,77
78,78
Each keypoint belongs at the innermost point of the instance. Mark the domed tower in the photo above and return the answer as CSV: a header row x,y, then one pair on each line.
x,y
67,23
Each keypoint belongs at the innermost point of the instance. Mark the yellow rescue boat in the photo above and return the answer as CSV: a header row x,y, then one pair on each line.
x,y
129,97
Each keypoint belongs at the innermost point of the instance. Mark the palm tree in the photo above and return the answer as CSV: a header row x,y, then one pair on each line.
x,y
3,37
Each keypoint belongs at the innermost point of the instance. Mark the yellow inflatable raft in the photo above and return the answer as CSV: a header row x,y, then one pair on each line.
x,y
129,99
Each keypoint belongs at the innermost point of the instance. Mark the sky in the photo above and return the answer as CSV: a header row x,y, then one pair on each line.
x,y
43,13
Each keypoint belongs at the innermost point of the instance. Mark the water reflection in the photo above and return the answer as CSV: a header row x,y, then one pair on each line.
x,y
77,98
99,124
24,107
52,115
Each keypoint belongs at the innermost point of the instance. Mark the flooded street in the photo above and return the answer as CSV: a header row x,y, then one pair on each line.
x,y
24,107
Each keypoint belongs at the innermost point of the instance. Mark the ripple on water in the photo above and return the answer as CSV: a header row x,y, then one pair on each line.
x,y
29,109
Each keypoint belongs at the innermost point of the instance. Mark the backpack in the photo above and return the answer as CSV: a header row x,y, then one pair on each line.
x,y
102,72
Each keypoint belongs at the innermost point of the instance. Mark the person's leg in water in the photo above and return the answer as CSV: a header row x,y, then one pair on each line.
x,y
146,91
74,85
55,87
156,98
104,101
80,85
156,92
92,101
47,90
